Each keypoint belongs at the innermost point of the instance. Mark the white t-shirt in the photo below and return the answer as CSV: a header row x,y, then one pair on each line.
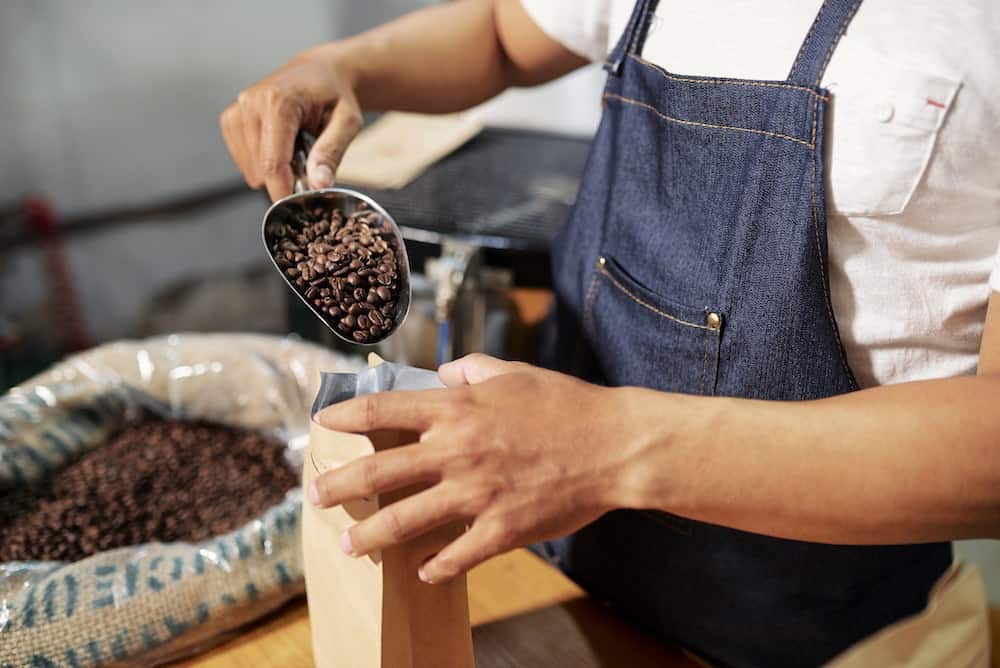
x,y
913,154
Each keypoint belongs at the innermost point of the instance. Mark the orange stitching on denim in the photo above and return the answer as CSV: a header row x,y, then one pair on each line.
x,y
682,121
589,303
815,120
652,308
715,365
805,42
704,362
836,40
822,274
725,82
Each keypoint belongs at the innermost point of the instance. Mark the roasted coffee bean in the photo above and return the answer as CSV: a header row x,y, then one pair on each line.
x,y
158,480
344,266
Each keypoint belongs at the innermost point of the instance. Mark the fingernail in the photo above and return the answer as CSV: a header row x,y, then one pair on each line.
x,y
313,493
324,176
423,575
345,543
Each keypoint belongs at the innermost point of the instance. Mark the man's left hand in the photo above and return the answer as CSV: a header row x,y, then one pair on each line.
x,y
520,453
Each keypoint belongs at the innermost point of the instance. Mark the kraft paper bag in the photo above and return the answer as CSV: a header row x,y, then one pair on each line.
x,y
373,611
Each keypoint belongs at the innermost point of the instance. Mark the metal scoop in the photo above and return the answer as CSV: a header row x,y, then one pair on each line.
x,y
286,212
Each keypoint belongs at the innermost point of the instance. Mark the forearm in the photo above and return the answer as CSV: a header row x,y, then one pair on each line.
x,y
447,57
901,463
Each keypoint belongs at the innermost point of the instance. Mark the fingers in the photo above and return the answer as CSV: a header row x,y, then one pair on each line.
x,y
231,124
475,368
259,130
375,474
279,124
470,549
250,125
402,521
413,410
328,151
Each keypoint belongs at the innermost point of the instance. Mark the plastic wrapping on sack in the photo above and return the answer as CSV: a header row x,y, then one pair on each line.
x,y
151,603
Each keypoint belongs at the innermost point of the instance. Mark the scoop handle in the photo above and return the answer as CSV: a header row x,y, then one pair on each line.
x,y
303,145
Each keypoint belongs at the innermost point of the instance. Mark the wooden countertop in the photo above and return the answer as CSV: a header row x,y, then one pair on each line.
x,y
524,613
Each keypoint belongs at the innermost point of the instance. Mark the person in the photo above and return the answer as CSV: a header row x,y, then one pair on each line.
x,y
775,358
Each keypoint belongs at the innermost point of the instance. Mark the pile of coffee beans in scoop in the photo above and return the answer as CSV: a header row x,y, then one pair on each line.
x,y
157,480
346,267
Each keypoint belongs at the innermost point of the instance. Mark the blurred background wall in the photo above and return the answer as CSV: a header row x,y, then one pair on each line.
x,y
114,104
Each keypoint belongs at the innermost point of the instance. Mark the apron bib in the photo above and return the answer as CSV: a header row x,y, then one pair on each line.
x,y
695,261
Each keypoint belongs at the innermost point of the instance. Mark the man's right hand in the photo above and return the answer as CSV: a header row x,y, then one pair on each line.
x,y
310,92
443,58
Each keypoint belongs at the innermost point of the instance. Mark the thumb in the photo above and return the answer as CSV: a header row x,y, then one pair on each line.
x,y
328,151
475,368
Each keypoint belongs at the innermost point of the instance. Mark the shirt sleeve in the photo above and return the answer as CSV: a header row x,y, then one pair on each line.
x,y
579,25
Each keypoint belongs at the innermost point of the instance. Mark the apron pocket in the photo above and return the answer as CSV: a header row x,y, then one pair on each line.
x,y
641,338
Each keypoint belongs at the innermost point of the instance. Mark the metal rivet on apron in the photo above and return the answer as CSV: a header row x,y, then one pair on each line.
x,y
713,320
601,261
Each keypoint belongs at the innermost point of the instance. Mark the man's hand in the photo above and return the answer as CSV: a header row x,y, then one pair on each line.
x,y
442,58
521,453
312,92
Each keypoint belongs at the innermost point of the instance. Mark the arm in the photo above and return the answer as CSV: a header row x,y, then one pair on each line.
x,y
450,57
444,58
902,463
527,454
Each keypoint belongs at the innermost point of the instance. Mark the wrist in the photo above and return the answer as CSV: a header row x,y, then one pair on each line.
x,y
341,60
662,458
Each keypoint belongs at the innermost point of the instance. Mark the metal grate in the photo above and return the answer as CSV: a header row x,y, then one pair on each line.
x,y
505,189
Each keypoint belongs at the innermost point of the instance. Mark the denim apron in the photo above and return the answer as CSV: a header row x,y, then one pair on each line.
x,y
695,261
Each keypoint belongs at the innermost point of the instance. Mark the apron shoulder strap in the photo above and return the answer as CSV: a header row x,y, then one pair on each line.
x,y
824,34
634,37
